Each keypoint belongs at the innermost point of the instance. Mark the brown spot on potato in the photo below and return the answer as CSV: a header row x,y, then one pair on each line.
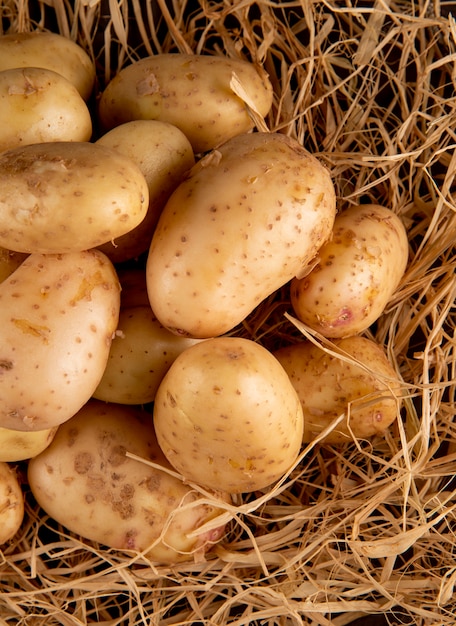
x,y
83,462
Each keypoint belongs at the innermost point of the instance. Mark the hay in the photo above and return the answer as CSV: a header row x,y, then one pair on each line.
x,y
351,531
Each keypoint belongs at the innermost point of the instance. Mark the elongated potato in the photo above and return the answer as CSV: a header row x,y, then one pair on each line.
x,y
40,105
11,503
85,481
357,272
363,387
19,445
50,51
246,220
64,196
164,155
140,355
227,416
58,314
193,92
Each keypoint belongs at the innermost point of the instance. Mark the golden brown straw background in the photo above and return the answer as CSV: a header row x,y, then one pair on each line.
x,y
369,87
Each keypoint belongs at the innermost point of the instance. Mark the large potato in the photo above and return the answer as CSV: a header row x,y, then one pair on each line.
x,y
68,196
49,51
164,155
40,105
247,218
193,92
85,481
140,355
357,272
227,416
11,503
58,314
19,445
363,387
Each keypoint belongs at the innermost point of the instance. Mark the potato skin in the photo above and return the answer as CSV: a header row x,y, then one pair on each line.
x,y
58,314
41,105
164,155
140,355
227,416
191,92
20,445
329,386
85,481
11,503
49,51
247,218
357,272
58,197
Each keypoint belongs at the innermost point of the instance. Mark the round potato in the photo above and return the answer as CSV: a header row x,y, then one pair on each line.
x,y
192,92
227,416
164,155
362,386
357,272
40,105
19,445
140,355
50,51
58,314
65,196
247,218
11,503
85,481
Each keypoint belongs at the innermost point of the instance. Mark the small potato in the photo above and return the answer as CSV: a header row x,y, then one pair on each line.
x,y
65,196
49,51
9,262
227,416
247,218
193,92
357,272
85,481
164,155
140,355
18,445
362,385
11,503
40,105
58,314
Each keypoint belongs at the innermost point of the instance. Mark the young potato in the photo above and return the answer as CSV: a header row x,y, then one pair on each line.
x,y
50,51
85,481
164,155
357,272
11,503
365,388
65,196
19,445
246,220
193,92
227,416
140,355
58,314
40,105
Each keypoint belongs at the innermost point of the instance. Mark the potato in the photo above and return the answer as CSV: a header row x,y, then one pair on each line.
x,y
49,51
227,416
9,262
362,385
40,105
193,92
11,503
164,155
18,445
68,196
245,221
140,355
85,481
357,272
58,314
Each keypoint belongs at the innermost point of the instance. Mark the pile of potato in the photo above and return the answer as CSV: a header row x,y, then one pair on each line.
x,y
138,409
